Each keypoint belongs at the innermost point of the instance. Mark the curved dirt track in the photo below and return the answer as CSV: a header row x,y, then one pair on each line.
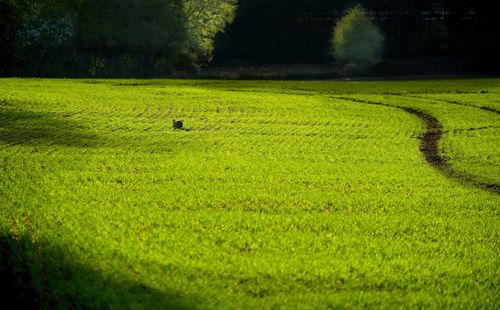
x,y
429,146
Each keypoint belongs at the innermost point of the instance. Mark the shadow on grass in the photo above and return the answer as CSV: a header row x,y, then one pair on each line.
x,y
33,276
18,127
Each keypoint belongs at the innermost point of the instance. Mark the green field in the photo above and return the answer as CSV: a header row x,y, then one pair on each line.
x,y
294,195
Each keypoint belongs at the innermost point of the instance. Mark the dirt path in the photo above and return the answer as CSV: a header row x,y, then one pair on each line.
x,y
429,146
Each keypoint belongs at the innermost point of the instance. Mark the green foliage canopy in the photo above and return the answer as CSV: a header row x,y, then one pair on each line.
x,y
357,39
139,37
206,18
113,37
131,25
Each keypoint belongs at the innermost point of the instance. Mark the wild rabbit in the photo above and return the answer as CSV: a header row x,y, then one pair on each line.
x,y
177,124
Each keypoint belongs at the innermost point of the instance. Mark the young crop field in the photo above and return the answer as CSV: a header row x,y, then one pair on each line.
x,y
293,195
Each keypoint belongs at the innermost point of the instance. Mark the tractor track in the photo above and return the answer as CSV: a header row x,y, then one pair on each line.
x,y
429,145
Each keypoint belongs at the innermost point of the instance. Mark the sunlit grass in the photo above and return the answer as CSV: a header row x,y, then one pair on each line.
x,y
277,194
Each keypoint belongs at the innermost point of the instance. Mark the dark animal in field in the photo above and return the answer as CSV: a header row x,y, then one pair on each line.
x,y
177,124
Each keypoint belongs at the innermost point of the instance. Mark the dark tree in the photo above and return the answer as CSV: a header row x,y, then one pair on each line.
x,y
9,22
137,37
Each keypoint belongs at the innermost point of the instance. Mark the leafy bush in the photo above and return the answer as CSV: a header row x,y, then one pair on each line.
x,y
356,39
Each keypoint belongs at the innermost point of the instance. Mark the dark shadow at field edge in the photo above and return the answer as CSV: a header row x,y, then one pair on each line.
x,y
18,127
36,276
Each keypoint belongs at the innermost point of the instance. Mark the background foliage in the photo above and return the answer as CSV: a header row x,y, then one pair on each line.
x,y
357,39
155,38
297,31
110,38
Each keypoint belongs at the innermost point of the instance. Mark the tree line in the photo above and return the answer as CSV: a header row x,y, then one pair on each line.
x,y
298,31
137,38
109,38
